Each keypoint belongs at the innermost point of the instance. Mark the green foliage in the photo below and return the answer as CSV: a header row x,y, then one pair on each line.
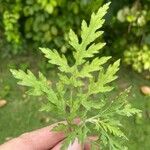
x,y
138,57
133,15
41,22
132,23
72,96
27,24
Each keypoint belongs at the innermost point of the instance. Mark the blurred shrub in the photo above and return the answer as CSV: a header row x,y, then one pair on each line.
x,y
42,22
29,24
138,57
132,32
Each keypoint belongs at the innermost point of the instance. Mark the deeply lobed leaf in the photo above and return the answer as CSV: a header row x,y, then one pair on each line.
x,y
76,93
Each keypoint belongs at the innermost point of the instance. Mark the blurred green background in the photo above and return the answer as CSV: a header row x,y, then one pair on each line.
x,y
27,25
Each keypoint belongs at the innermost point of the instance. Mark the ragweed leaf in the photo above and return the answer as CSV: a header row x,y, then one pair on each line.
x,y
103,79
95,65
80,90
38,86
55,58
88,34
112,126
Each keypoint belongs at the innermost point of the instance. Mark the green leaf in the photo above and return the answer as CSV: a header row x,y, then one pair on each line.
x,y
95,65
94,49
112,126
92,104
61,127
56,59
88,34
73,39
121,106
104,78
37,86
128,111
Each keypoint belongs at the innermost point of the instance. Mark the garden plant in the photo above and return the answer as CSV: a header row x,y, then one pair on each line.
x,y
134,22
29,23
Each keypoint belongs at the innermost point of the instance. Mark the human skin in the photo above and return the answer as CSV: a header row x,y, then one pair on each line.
x,y
41,139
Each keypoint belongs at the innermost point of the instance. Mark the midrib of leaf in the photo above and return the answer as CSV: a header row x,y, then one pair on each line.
x,y
83,44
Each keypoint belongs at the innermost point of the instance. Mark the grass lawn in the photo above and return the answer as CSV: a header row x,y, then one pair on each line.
x,y
21,114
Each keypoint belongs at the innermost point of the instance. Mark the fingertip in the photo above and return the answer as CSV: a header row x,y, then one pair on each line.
x,y
76,145
88,142
40,139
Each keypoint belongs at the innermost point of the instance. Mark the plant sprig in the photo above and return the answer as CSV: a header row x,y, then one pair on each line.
x,y
73,95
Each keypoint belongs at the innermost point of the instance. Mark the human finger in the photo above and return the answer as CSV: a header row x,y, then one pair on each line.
x,y
40,139
88,142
